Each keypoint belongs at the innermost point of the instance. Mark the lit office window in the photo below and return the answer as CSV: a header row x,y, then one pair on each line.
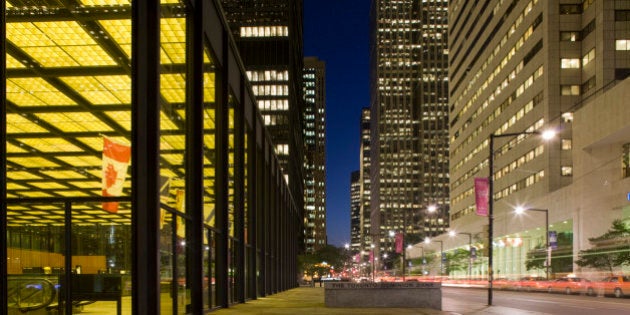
x,y
590,56
567,170
566,144
264,31
570,63
570,89
570,36
622,44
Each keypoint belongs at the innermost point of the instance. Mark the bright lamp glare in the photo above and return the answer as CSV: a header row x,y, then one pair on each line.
x,y
451,233
549,134
519,210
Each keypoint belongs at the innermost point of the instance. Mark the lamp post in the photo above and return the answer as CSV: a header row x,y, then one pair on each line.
x,y
372,254
549,134
428,241
452,234
520,210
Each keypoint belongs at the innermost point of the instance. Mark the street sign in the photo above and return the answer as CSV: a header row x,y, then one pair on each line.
x,y
473,252
553,240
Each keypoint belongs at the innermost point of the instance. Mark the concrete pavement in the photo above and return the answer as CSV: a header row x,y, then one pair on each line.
x,y
310,301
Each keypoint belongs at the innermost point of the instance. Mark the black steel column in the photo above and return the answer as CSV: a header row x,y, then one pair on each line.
x,y
3,162
221,176
145,146
239,196
490,214
252,206
195,104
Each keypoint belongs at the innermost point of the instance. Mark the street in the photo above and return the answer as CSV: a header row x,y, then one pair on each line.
x,y
474,301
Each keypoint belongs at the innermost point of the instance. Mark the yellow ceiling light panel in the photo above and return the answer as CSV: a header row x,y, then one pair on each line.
x,y
95,143
14,186
169,1
119,85
51,145
166,123
73,193
27,35
105,2
66,33
123,118
208,140
120,31
208,117
32,161
90,88
63,174
173,30
13,63
81,161
21,175
51,57
34,194
86,184
173,87
11,148
18,124
90,55
208,171
96,173
173,53
48,185
75,122
172,142
173,159
208,88
39,88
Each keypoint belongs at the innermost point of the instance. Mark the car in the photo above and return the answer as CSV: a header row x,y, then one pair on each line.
x,y
618,286
532,283
571,285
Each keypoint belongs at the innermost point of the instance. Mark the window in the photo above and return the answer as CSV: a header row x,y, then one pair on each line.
x,y
625,163
588,85
622,73
570,90
586,4
570,63
570,9
622,15
567,171
622,44
566,144
570,36
590,56
590,27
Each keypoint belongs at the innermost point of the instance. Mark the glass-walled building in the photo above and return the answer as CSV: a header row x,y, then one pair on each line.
x,y
137,174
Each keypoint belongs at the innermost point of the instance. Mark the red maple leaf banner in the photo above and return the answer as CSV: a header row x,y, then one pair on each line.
x,y
116,158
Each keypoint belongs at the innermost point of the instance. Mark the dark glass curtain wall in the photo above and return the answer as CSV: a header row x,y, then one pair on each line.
x,y
137,176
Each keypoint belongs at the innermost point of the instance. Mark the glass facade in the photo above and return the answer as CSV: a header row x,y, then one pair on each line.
x,y
138,176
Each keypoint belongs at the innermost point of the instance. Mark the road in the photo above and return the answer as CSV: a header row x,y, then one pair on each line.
x,y
474,301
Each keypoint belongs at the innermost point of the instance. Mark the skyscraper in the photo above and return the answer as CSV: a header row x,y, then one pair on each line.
x,y
409,119
315,162
521,67
355,211
268,34
364,190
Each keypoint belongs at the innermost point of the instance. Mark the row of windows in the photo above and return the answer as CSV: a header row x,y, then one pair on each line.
x,y
625,160
264,31
268,75
574,63
494,53
271,90
267,105
275,120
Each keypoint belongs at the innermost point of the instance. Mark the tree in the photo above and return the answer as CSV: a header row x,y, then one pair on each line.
x,y
610,250
561,257
323,260
456,260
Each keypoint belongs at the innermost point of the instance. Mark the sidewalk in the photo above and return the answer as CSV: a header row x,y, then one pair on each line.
x,y
310,301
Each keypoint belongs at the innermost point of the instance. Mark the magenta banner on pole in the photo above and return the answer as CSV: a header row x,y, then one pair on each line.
x,y
481,196
399,243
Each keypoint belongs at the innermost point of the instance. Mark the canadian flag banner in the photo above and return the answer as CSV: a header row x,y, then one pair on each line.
x,y
116,158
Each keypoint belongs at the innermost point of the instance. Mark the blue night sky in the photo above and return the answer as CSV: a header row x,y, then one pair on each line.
x,y
337,32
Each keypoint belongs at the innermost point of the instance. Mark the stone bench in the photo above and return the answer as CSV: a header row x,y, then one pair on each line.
x,y
384,294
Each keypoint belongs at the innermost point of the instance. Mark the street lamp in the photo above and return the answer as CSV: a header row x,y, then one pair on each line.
x,y
453,234
546,135
520,210
428,241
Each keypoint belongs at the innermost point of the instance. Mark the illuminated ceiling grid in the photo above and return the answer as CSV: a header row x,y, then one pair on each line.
x,y
58,110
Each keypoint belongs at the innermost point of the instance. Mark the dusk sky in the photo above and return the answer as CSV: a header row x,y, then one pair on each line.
x,y
337,32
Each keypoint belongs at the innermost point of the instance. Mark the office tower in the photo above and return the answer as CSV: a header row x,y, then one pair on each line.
x,y
522,67
364,168
315,163
268,34
409,115
355,211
